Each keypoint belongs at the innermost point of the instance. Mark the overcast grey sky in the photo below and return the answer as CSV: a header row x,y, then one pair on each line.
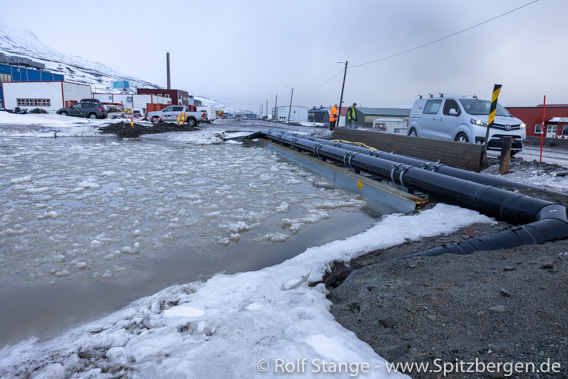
x,y
244,53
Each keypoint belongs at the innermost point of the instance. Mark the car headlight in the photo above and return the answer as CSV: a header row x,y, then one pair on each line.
x,y
478,122
523,125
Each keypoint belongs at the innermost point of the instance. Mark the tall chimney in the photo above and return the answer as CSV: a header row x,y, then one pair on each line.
x,y
168,69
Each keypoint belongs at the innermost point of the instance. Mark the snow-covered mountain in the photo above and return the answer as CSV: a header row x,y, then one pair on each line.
x,y
18,42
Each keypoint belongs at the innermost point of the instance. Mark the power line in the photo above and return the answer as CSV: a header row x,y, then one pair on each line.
x,y
424,45
446,37
329,80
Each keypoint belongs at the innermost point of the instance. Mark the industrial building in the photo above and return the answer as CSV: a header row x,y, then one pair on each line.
x,y
366,116
49,96
555,116
142,103
177,96
17,69
286,113
320,114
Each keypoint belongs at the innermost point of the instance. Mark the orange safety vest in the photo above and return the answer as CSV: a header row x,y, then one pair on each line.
x,y
333,114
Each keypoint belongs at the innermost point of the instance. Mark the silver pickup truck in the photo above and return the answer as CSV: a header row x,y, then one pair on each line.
x,y
177,114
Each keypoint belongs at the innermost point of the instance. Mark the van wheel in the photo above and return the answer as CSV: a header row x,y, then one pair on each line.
x,y
462,137
412,133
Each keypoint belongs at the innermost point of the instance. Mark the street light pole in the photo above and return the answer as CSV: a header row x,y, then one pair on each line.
x,y
290,109
342,87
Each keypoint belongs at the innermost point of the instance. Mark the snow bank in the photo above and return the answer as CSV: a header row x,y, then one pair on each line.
x,y
252,324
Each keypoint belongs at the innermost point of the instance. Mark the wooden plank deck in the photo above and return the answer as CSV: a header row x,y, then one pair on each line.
x,y
467,156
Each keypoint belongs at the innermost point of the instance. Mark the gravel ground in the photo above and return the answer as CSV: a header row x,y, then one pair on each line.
x,y
457,312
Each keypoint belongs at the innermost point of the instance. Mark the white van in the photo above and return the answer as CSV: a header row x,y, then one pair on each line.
x,y
464,119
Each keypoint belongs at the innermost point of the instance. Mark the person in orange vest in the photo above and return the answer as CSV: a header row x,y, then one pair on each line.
x,y
332,117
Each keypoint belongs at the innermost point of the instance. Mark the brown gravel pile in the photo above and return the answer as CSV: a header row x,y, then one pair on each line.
x,y
124,129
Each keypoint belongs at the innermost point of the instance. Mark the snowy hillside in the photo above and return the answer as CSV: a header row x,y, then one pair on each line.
x,y
18,42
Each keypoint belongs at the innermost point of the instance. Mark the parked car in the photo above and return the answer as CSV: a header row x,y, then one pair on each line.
x,y
464,119
176,114
85,109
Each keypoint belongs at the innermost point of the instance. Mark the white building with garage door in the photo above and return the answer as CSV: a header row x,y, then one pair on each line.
x,y
44,95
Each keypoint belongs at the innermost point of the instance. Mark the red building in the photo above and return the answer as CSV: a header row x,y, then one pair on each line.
x,y
178,97
555,116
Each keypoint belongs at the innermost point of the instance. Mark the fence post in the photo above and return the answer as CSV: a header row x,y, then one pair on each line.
x,y
505,158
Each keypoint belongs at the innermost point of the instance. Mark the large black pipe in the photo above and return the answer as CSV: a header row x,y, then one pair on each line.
x,y
511,207
417,162
546,221
539,232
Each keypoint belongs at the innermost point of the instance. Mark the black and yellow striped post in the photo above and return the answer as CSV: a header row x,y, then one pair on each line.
x,y
493,109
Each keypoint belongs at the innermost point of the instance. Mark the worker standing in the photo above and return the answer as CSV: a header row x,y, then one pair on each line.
x,y
333,117
352,116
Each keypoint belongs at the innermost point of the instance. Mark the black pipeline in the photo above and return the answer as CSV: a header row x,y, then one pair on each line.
x,y
417,162
548,220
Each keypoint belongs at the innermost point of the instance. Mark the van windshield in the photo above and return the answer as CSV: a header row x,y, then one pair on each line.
x,y
482,107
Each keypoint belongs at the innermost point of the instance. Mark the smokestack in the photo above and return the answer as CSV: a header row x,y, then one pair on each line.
x,y
168,69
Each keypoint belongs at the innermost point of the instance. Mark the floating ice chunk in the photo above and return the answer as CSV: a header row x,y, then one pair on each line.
x,y
137,233
292,181
37,190
50,214
135,249
21,180
61,273
237,227
313,217
184,310
107,274
81,266
335,204
293,225
283,207
272,237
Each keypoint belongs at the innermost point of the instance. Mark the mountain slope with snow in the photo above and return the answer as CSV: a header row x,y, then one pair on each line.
x,y
18,42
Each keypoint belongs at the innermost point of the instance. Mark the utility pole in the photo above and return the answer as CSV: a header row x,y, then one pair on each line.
x,y
266,107
168,69
290,109
276,107
342,87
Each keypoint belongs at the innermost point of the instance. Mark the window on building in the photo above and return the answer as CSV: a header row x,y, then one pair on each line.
x,y
5,78
565,130
33,102
538,129
167,95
